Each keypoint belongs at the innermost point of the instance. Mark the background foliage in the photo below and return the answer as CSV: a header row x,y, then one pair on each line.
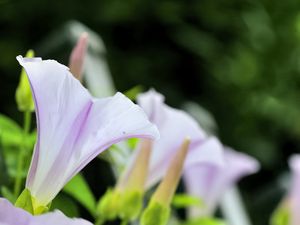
x,y
238,59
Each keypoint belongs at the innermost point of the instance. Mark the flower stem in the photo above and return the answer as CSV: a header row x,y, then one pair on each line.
x,y
22,153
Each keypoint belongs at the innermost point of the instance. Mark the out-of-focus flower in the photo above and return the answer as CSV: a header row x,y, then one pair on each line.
x,y
174,126
294,195
11,215
209,182
78,55
73,127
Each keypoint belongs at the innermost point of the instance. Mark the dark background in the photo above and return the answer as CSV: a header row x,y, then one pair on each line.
x,y
237,58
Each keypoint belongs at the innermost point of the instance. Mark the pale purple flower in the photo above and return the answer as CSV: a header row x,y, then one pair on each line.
x,y
73,127
294,195
174,126
11,215
209,182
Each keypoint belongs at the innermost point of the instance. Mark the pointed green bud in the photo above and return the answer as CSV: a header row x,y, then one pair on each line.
x,y
155,214
23,93
27,202
108,206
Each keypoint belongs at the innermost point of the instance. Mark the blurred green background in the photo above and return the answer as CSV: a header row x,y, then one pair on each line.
x,y
239,59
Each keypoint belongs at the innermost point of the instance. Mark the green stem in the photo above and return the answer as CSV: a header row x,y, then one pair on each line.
x,y
22,153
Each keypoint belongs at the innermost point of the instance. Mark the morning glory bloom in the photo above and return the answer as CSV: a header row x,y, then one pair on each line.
x,y
11,215
209,182
73,127
294,195
174,126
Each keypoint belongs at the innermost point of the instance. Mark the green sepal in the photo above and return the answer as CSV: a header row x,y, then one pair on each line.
x,y
24,201
131,205
185,200
205,221
108,205
27,202
281,216
24,98
155,214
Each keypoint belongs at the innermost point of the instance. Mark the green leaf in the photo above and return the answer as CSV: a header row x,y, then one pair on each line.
x,y
185,200
6,193
80,190
3,169
10,131
66,204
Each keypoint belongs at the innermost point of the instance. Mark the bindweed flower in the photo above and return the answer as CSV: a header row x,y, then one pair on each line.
x,y
78,55
11,215
73,127
209,182
174,126
288,211
294,195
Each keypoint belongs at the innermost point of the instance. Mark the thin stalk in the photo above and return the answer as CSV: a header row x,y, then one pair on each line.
x,y
22,153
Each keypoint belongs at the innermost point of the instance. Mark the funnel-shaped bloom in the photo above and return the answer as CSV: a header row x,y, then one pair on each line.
x,y
209,182
174,126
73,127
11,215
294,195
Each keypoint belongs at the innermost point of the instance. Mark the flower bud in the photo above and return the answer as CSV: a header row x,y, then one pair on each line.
x,y
23,96
77,56
158,211
132,187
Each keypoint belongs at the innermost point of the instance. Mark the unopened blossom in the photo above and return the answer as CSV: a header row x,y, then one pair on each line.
x,y
294,196
174,126
209,182
78,56
73,127
11,215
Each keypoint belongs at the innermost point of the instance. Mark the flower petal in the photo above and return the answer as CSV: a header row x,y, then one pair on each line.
x,y
209,182
294,195
11,215
73,128
174,126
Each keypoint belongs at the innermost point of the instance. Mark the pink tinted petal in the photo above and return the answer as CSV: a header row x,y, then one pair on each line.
x,y
10,215
57,218
209,182
174,126
294,195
